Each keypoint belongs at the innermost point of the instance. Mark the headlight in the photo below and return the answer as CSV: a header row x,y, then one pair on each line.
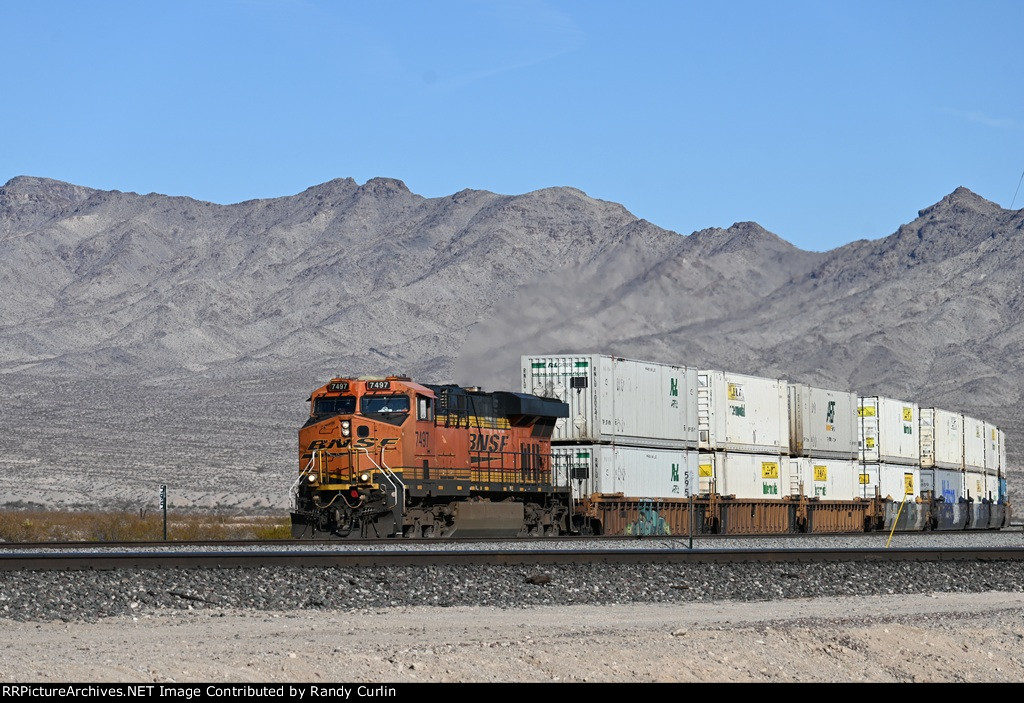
x,y
311,478
364,477
346,428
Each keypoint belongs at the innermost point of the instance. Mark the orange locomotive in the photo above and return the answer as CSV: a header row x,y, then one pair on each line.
x,y
388,457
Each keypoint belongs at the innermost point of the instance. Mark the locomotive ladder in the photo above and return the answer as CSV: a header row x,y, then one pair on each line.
x,y
397,485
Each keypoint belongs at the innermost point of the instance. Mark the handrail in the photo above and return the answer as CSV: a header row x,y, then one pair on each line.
x,y
386,472
294,489
389,472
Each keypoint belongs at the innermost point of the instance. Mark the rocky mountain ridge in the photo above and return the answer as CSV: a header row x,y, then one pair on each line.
x,y
179,304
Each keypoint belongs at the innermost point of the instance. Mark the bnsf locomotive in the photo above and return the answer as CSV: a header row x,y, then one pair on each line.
x,y
392,458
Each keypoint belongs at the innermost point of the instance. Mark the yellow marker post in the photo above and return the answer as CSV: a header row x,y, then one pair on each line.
x,y
896,521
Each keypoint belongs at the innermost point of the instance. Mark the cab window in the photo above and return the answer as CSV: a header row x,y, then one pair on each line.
x,y
424,408
392,409
325,407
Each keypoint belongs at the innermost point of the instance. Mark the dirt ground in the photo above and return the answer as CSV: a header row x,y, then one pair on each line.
x,y
929,638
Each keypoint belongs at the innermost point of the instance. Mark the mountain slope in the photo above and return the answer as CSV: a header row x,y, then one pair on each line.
x,y
148,337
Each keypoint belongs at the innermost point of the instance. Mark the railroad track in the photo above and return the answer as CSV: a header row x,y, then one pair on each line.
x,y
440,544
27,560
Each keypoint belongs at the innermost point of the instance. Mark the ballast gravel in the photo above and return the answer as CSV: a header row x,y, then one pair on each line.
x,y
91,595
745,622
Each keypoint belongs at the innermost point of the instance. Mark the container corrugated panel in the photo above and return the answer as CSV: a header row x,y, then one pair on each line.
x,y
991,448
637,472
899,482
947,484
1002,454
739,413
889,431
822,423
974,443
611,399
926,420
991,487
942,438
826,479
745,476
974,484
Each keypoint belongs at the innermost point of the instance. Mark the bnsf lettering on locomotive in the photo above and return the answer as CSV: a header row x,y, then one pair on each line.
x,y
364,443
480,442
325,444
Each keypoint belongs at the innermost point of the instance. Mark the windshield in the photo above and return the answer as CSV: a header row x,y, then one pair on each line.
x,y
345,405
371,404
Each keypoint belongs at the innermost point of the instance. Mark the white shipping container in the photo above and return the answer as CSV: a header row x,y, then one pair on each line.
x,y
745,475
975,487
826,479
991,487
974,443
991,448
947,484
889,431
822,423
1002,454
900,482
942,439
636,472
738,413
610,399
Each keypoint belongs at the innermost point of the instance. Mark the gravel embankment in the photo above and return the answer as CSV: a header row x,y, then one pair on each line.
x,y
91,595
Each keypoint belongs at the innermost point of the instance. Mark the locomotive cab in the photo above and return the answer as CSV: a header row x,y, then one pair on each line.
x,y
350,455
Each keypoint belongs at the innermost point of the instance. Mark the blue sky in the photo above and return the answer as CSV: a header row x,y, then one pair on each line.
x,y
825,122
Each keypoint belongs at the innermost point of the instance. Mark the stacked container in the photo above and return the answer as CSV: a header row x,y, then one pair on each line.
x,y
890,448
1003,498
992,462
975,482
652,430
743,424
632,425
823,432
942,454
620,401
648,472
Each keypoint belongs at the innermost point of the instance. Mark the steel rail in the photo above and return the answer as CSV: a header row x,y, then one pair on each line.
x,y
440,542
35,561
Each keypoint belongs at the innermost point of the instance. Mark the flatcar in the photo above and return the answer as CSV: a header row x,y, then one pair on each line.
x,y
618,514
388,457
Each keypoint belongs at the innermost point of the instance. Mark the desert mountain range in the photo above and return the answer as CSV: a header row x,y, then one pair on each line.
x,y
142,333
